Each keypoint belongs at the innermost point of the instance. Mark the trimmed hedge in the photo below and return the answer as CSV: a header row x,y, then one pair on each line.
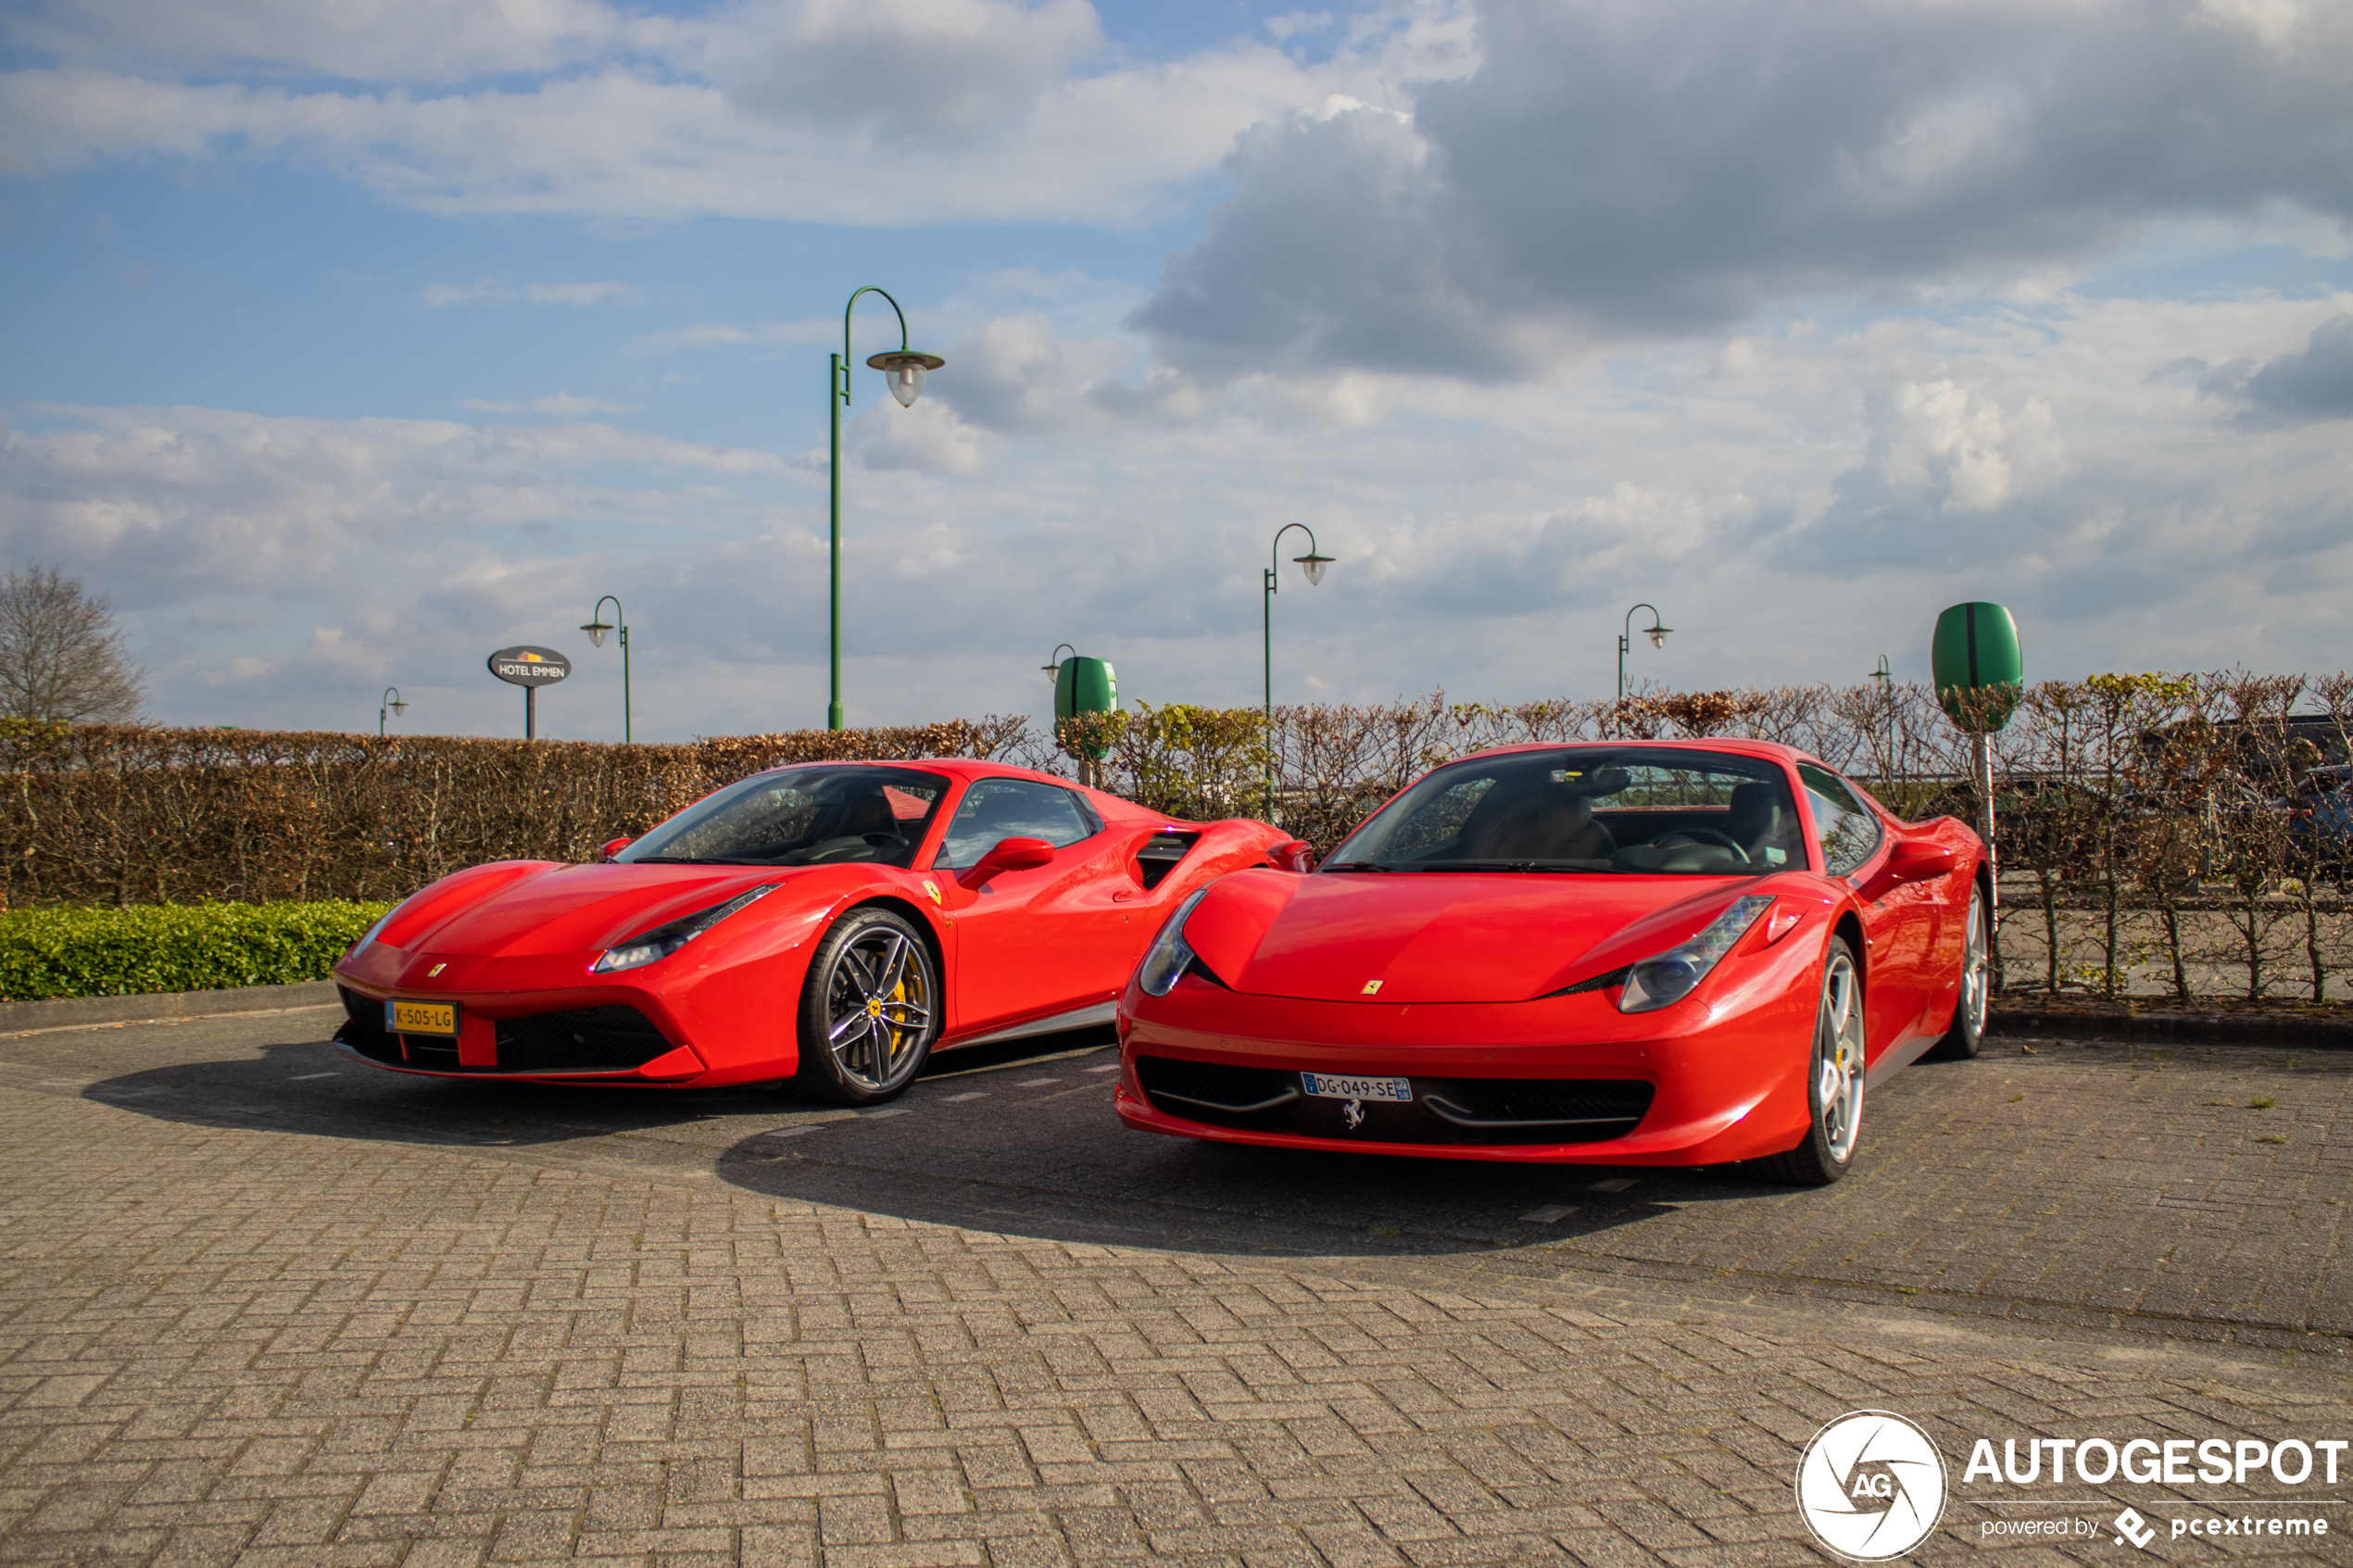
x,y
70,952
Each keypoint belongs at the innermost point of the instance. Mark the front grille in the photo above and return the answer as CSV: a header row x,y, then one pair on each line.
x,y
1502,1101
364,1027
1213,1090
1444,1111
605,1039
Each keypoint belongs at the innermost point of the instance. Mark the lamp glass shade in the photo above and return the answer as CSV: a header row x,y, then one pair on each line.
x,y
597,630
904,369
1053,672
399,707
1658,635
1313,565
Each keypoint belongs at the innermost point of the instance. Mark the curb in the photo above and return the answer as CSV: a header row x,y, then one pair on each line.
x,y
65,1012
2186,1028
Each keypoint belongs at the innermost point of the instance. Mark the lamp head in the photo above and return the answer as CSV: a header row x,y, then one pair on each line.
x,y
399,707
1658,633
597,630
904,370
1312,564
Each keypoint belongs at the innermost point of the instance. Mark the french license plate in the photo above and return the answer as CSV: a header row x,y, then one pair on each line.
x,y
1346,1085
421,1018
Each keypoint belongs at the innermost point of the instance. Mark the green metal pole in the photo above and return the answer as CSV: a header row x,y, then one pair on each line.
x,y
837,393
1267,602
626,736
835,397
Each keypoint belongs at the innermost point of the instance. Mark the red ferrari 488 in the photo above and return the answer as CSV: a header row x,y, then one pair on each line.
x,y
830,924
1642,953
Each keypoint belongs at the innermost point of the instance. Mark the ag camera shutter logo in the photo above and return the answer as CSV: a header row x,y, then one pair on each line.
x,y
1870,1486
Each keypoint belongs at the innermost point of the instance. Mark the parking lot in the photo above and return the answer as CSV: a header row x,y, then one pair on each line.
x,y
262,1304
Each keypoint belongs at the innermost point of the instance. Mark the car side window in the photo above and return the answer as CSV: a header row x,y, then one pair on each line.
x,y
994,809
1848,829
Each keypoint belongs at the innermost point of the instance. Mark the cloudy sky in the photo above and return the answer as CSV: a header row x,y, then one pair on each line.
x,y
345,343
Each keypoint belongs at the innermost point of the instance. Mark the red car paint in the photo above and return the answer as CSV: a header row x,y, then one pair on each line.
x,y
1469,965
515,940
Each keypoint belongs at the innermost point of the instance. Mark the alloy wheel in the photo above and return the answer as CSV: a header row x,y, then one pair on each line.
x,y
879,1005
1838,1088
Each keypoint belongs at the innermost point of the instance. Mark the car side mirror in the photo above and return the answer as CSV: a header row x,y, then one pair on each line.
x,y
614,847
1909,862
1298,855
1010,855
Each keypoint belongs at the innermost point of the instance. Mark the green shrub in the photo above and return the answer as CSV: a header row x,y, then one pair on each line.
x,y
153,947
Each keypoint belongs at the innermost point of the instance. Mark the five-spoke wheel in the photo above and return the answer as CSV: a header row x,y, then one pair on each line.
x,y
1967,1033
1835,1083
869,1010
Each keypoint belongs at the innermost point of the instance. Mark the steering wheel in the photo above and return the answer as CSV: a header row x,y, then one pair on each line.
x,y
1702,835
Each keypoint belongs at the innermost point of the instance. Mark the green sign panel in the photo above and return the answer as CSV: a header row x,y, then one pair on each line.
x,y
1084,685
1975,662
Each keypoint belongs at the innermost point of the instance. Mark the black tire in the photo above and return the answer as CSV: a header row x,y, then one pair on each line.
x,y
1966,1037
869,1010
1834,1079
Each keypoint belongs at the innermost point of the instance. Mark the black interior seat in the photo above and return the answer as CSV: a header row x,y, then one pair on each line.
x,y
1755,820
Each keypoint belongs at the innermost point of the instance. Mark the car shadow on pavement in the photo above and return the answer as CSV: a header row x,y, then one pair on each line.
x,y
1016,1139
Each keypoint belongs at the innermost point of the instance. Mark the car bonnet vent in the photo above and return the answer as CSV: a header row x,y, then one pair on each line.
x,y
1158,855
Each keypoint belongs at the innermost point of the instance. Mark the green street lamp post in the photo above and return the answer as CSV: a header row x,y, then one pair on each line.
x,y
1657,634
1053,666
1886,679
597,628
1312,564
905,369
391,703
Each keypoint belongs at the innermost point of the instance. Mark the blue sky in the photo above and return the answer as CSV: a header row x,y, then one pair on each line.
x,y
345,344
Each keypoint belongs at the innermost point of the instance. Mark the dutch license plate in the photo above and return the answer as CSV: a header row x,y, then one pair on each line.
x,y
421,1018
1348,1085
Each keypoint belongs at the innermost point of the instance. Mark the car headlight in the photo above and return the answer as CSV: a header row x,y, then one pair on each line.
x,y
1166,959
664,940
1671,976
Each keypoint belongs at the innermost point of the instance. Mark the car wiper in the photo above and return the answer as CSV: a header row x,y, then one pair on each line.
x,y
1516,865
1354,866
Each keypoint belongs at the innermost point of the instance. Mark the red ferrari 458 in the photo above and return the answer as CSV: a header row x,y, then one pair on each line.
x,y
830,924
1642,953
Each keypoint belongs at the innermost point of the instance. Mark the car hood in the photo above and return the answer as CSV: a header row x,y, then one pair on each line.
x,y
540,910
1442,937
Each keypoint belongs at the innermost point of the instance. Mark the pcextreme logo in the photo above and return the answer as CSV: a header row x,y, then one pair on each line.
x,y
1870,1486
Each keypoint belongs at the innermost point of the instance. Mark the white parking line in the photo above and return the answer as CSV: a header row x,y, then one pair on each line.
x,y
968,1094
1616,1184
790,1132
1112,1067
1549,1214
884,1111
306,1078
1036,1083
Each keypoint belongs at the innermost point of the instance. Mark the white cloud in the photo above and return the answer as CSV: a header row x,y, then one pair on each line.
x,y
1617,172
561,405
1796,508
887,112
500,290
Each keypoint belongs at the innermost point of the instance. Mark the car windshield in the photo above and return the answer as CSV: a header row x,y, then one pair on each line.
x,y
817,815
1595,808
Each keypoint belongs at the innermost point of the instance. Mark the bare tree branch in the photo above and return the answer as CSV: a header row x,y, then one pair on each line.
x,y
61,658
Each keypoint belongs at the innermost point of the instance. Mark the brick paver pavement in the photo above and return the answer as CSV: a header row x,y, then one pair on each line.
x,y
261,1305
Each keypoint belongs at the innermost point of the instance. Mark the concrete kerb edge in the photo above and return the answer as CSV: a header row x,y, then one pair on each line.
x,y
2169,1028
155,1006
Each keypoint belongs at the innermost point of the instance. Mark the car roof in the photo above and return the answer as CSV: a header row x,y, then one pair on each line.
x,y
956,767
